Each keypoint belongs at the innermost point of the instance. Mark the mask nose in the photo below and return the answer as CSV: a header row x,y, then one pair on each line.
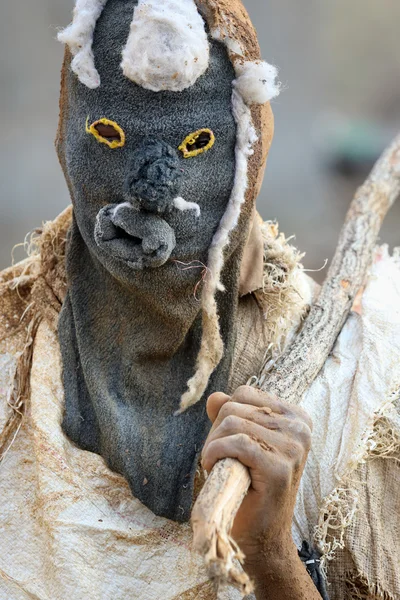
x,y
154,176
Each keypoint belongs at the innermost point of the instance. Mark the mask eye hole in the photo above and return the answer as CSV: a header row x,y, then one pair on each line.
x,y
197,142
107,132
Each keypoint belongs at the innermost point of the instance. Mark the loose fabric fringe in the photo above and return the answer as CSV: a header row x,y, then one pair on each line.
x,y
44,248
340,507
285,297
19,390
358,588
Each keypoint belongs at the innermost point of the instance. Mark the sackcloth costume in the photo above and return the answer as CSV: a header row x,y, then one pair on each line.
x,y
159,286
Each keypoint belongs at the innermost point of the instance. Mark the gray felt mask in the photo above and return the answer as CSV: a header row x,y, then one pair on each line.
x,y
144,220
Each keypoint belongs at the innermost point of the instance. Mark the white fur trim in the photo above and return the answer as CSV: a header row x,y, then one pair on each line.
x,y
256,81
211,350
167,48
79,38
182,204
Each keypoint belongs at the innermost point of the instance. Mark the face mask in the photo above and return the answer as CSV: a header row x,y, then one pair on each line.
x,y
152,175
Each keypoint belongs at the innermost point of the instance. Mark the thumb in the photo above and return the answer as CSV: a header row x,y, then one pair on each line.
x,y
214,404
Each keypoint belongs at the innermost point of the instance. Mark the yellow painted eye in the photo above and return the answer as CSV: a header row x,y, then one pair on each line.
x,y
197,142
107,132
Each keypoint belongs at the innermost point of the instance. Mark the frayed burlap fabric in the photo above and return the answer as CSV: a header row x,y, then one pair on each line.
x,y
71,526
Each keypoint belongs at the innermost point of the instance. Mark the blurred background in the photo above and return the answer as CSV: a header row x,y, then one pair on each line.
x,y
339,64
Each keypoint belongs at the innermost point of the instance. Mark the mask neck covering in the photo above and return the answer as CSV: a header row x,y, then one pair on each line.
x,y
152,171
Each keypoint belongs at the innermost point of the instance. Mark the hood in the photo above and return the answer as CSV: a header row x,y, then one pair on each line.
x,y
163,137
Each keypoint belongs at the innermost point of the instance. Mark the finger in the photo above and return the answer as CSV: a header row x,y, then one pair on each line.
x,y
232,410
238,446
215,403
294,449
255,397
263,399
234,425
303,416
262,415
233,415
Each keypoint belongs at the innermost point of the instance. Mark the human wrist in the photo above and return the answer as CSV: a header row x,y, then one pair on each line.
x,y
270,557
282,576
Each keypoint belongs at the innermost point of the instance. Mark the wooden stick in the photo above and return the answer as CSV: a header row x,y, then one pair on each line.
x,y
228,483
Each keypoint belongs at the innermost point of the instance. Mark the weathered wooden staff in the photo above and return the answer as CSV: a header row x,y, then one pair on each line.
x,y
223,493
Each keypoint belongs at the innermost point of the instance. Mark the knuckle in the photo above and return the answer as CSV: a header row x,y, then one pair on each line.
x,y
231,423
251,449
306,437
296,455
244,441
225,411
211,450
303,415
302,433
295,451
207,455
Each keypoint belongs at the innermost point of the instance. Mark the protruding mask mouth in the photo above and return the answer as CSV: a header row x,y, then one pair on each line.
x,y
141,239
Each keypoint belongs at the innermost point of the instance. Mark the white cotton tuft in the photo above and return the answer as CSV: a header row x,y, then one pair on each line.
x,y
232,45
167,48
209,357
79,38
183,205
256,81
246,137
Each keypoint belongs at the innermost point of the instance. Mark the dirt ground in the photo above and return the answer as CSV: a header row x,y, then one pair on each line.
x,y
336,59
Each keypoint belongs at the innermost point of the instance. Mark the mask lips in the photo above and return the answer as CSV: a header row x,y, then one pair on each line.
x,y
143,240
